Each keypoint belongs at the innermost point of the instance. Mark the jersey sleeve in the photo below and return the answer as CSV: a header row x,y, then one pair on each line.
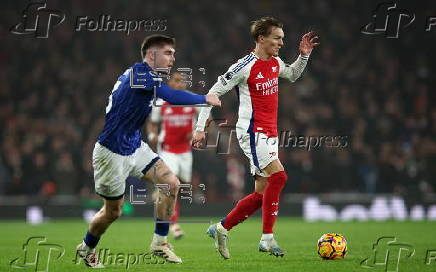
x,y
155,116
234,75
179,97
142,78
292,71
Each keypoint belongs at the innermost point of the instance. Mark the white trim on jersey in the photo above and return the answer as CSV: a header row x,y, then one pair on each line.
x,y
235,75
155,115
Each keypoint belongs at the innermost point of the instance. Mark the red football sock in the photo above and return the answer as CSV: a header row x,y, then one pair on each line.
x,y
271,197
175,215
243,209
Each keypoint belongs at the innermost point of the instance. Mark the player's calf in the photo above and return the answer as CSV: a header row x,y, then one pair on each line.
x,y
271,198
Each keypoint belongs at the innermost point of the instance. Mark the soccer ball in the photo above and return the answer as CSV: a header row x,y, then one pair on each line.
x,y
332,246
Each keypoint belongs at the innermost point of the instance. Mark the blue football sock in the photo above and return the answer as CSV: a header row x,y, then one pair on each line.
x,y
90,240
161,228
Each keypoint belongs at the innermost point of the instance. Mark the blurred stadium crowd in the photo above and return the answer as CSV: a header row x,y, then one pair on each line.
x,y
377,92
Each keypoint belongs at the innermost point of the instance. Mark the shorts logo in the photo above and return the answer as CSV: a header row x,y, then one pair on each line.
x,y
272,154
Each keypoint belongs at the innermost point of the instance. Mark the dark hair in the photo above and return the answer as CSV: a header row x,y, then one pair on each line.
x,y
156,40
263,26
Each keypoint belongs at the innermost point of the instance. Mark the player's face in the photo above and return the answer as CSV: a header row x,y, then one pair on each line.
x,y
177,82
273,42
164,56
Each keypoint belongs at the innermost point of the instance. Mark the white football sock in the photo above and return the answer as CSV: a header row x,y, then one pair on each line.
x,y
159,239
267,236
220,228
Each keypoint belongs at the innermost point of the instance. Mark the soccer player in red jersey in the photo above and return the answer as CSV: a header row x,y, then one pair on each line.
x,y
255,77
174,140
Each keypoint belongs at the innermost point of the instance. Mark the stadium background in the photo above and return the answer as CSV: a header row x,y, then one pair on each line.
x,y
377,92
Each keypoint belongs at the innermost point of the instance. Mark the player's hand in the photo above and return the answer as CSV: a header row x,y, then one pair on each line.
x,y
212,99
307,43
198,139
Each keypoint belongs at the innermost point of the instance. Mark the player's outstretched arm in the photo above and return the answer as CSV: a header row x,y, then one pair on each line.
x,y
293,71
307,43
180,97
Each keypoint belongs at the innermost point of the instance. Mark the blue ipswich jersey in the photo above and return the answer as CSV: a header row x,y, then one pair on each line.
x,y
128,107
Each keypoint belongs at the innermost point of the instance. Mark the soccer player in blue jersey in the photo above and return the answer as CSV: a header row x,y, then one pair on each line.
x,y
120,152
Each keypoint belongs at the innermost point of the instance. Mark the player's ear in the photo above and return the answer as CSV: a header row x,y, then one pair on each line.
x,y
151,54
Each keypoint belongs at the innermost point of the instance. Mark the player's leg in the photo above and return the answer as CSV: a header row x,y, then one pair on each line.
x,y
160,174
247,206
110,174
271,197
244,207
101,221
110,212
184,173
175,164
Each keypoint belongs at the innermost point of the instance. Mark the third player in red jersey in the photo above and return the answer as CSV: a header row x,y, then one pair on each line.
x,y
174,140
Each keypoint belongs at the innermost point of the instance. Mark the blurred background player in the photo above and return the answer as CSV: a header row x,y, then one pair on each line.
x,y
174,140
120,152
256,79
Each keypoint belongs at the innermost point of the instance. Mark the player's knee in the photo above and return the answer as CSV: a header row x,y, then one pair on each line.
x,y
174,183
278,178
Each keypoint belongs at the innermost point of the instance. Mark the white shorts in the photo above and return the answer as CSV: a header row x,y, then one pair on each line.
x,y
179,164
111,169
259,149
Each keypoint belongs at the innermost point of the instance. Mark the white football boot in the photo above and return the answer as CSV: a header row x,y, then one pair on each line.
x,y
164,250
219,234
88,256
271,246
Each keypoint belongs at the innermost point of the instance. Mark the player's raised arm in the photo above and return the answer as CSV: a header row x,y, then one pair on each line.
x,y
293,71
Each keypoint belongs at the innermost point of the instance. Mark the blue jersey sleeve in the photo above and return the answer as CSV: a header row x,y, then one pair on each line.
x,y
143,78
178,97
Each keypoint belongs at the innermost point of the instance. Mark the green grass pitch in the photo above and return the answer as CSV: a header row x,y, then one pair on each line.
x,y
297,237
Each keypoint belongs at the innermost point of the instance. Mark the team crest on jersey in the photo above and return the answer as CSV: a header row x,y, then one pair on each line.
x,y
274,69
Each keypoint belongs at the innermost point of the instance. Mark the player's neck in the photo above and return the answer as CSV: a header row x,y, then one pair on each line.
x,y
261,53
